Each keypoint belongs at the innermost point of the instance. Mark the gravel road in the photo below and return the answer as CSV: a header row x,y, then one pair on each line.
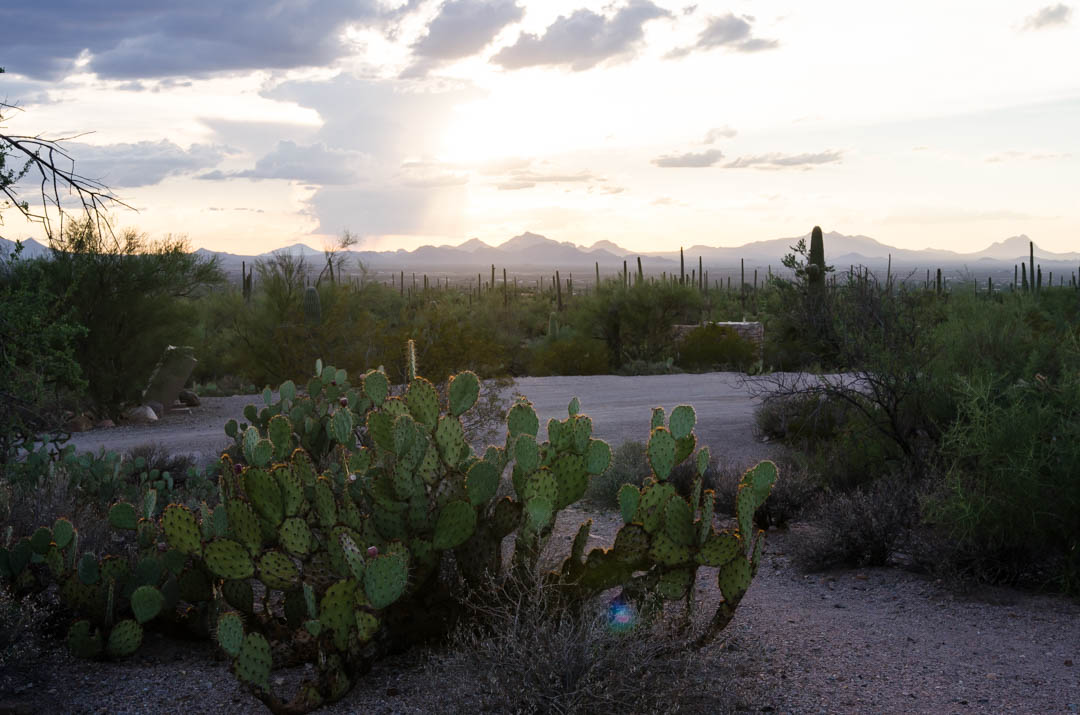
x,y
620,408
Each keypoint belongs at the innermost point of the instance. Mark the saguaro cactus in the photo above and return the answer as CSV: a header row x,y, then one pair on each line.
x,y
312,306
815,269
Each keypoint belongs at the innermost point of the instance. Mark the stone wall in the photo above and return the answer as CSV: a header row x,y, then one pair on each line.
x,y
751,331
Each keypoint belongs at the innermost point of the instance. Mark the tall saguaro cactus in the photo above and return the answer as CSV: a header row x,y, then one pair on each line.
x,y
815,269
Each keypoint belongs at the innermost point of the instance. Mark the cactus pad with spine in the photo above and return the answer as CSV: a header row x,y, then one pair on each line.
x,y
292,490
684,447
719,548
571,478
122,516
229,633
527,453
385,578
667,552
146,603
244,525
631,545
650,511
450,439
463,390
381,427
336,611
295,536
674,584
88,569
522,419
455,525
265,495
239,595
181,530
423,402
124,639
681,422
341,426
703,457
229,560
708,507
661,452
597,456
580,432
325,505
679,521
278,571
280,432
252,664
481,482
657,418
734,578
629,497
354,558
41,540
62,532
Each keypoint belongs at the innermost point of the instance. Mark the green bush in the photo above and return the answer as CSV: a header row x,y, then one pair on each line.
x,y
715,347
573,355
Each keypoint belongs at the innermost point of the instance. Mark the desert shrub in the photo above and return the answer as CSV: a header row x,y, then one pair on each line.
x,y
860,527
525,653
628,466
1010,501
715,347
645,367
132,295
25,624
572,355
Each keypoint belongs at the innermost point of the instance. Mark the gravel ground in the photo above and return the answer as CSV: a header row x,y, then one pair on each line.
x,y
865,641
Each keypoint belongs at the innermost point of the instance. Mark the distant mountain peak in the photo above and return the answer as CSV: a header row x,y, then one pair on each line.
x,y
473,245
526,240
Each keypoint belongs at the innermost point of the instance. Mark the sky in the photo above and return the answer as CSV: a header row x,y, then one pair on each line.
x,y
248,126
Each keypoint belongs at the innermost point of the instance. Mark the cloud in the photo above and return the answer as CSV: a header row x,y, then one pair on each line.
x,y
730,32
312,164
776,160
135,39
1049,16
583,39
140,164
461,29
690,159
1025,155
724,132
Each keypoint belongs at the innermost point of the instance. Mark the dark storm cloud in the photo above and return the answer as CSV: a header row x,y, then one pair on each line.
x,y
730,32
134,39
689,160
1049,16
582,39
142,163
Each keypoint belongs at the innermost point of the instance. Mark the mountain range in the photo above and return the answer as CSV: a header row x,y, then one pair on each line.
x,y
532,252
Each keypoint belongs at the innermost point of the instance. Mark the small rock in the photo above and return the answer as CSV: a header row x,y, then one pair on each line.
x,y
1068,662
82,423
141,415
157,407
189,398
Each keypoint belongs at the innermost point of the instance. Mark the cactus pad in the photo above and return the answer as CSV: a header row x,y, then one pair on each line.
x,y
539,511
733,579
124,639
597,456
657,419
629,497
265,495
122,516
580,432
661,452
682,421
385,578
325,506
354,558
450,439
380,426
651,505
41,540
527,453
674,584
367,625
719,548
341,426
62,532
295,536
280,432
423,402
229,560
84,641
336,611
181,530
292,490
481,483
666,552
239,595
146,603
703,458
464,389
571,478
278,571
522,419
244,525
455,525
631,545
376,387
88,569
679,521
252,664
229,633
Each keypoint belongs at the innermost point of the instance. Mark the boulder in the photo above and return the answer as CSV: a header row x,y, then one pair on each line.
x,y
104,424
143,414
157,407
188,398
170,375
